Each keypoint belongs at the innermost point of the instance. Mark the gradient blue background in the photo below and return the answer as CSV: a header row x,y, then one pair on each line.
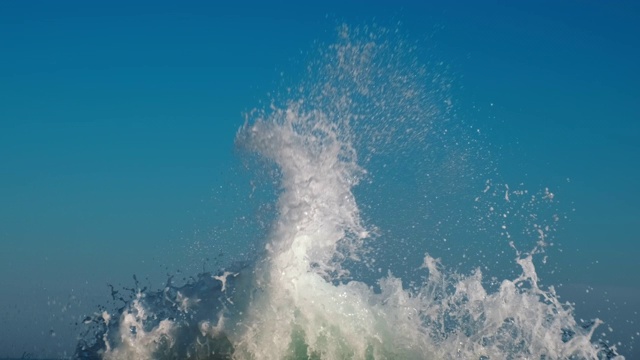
x,y
117,122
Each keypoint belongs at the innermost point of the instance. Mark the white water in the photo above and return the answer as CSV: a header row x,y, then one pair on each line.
x,y
300,300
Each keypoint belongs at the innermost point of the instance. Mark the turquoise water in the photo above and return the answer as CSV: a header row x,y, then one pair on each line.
x,y
405,177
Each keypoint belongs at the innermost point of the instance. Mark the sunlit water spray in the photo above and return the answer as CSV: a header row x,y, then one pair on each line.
x,y
300,299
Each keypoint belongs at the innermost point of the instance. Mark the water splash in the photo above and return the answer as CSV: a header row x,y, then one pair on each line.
x,y
366,96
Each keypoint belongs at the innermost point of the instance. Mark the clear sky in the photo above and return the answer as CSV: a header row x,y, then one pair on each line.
x,y
117,121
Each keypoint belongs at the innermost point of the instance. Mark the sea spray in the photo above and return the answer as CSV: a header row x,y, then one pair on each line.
x,y
301,299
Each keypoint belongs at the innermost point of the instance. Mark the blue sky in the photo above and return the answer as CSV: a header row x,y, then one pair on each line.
x,y
117,121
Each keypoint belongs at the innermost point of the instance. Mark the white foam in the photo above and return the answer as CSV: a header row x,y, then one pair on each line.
x,y
136,343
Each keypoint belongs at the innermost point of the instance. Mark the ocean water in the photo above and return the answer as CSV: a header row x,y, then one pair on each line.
x,y
424,181
323,282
